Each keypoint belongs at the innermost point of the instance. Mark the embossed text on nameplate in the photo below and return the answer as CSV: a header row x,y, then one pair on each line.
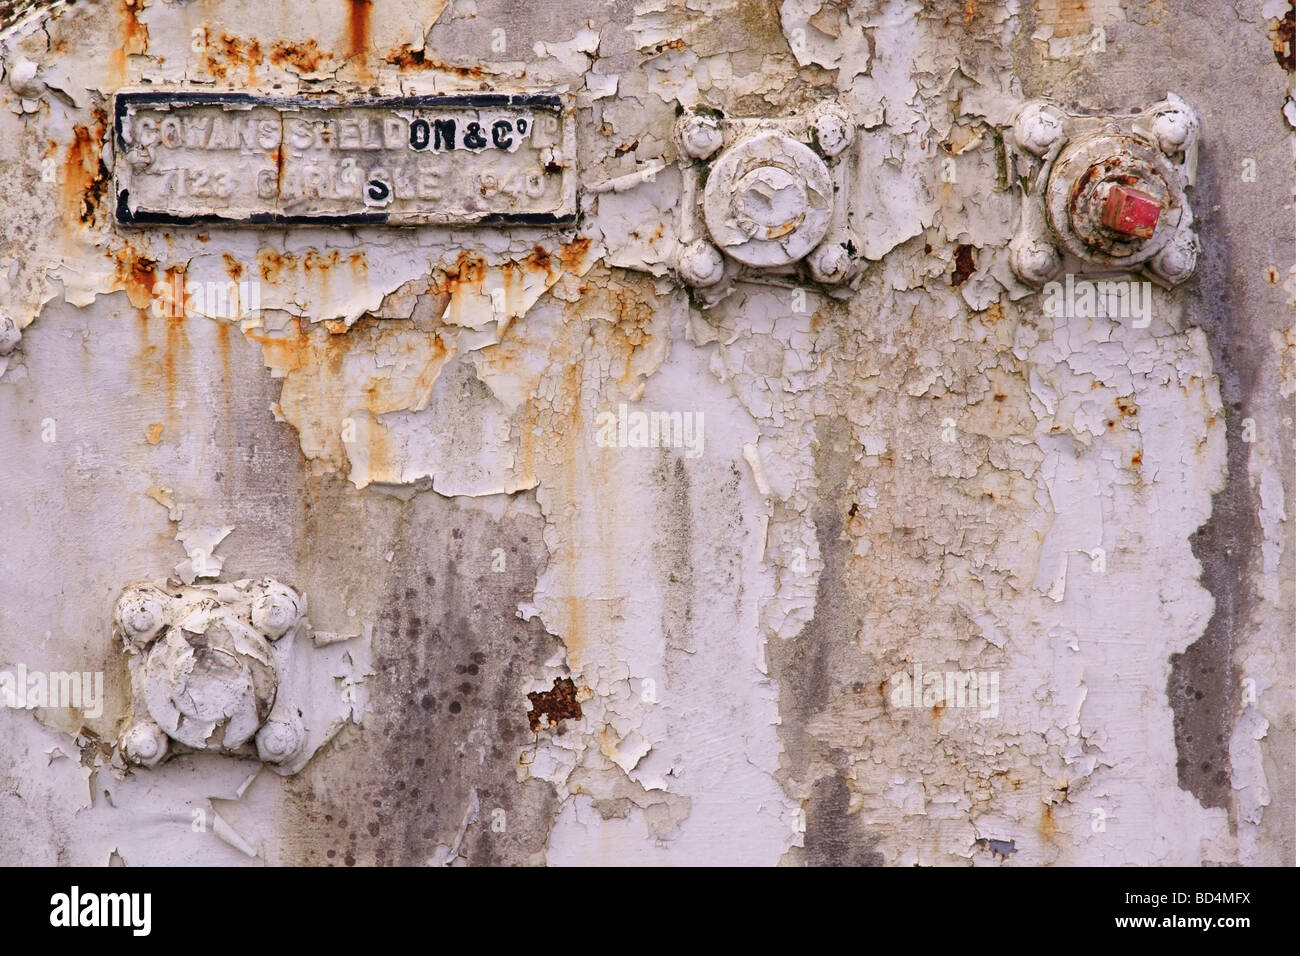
x,y
482,158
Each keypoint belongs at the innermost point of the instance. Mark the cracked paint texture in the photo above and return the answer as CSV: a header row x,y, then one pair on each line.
x,y
537,648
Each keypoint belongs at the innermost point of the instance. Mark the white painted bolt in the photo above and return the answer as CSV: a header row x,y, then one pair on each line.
x,y
140,613
1174,128
701,136
276,610
144,744
1035,262
829,263
834,131
278,740
1177,260
1037,128
701,264
10,334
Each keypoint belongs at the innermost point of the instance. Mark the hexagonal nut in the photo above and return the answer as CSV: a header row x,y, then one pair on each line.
x,y
1175,126
144,743
1034,261
10,333
701,264
1038,127
829,263
833,127
279,740
276,609
141,613
701,135
1177,260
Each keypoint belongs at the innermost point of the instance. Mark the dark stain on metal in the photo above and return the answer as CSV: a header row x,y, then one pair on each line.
x,y
556,704
407,57
964,263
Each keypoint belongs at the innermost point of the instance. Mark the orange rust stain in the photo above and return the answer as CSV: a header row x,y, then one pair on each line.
x,y
1127,407
158,362
304,57
272,263
358,27
406,57
229,52
360,267
223,348
154,433
1047,824
85,177
470,270
573,255
284,351
539,258
234,268
136,275
135,36
1136,461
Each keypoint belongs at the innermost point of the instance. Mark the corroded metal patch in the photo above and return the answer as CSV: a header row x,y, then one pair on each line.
x,y
187,158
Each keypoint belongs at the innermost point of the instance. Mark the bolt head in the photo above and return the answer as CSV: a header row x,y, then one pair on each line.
x,y
278,740
10,334
276,610
144,744
701,264
141,614
1037,128
1174,128
1131,212
1035,262
829,263
1177,260
701,136
834,132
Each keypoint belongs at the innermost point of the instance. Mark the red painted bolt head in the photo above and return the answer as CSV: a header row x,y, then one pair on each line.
x,y
1131,212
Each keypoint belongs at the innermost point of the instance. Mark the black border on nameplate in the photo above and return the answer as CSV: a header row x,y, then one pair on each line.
x,y
551,102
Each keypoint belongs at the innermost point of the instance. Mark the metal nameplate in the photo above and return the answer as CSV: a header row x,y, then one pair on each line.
x,y
193,158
